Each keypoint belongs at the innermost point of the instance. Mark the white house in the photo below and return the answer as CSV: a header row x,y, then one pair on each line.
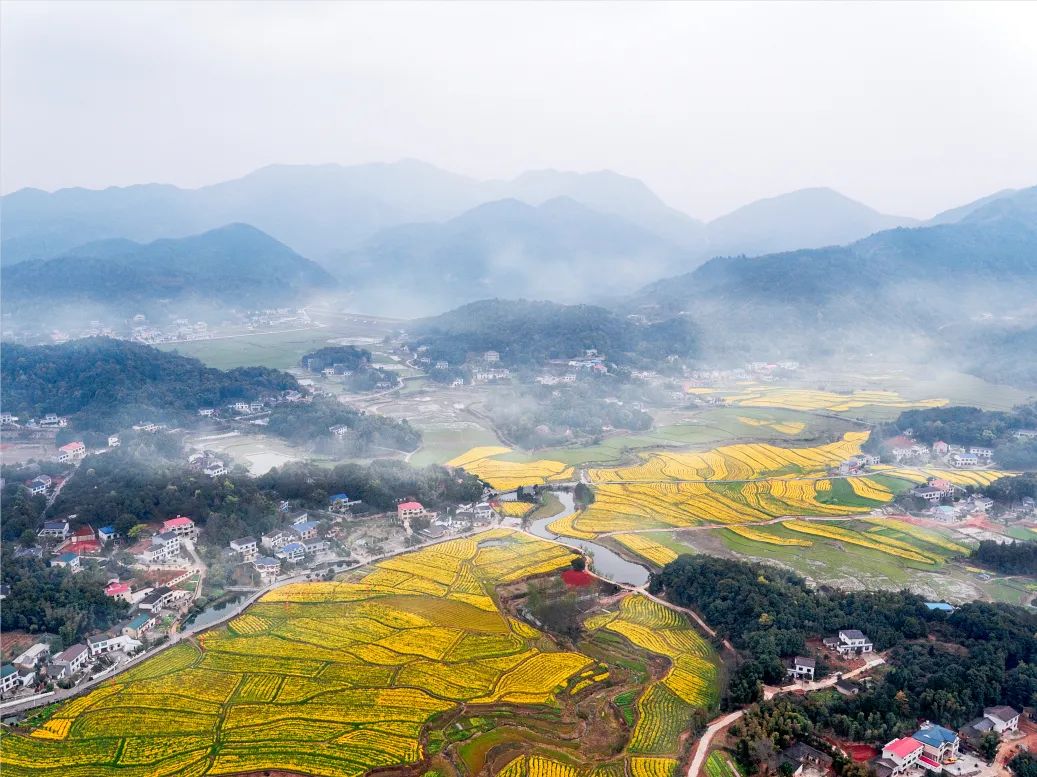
x,y
113,441
68,560
246,546
900,755
181,526
292,552
39,484
406,510
72,659
277,539
1004,718
107,643
849,641
72,452
33,657
802,668
961,460
267,567
57,529
9,678
982,453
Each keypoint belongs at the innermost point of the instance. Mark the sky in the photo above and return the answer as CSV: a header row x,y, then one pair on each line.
x,y
909,107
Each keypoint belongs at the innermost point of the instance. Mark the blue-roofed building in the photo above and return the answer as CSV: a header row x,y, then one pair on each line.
x,y
69,560
307,529
940,607
338,498
938,743
293,551
106,533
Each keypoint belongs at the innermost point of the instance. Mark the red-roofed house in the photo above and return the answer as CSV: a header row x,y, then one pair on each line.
x,y
181,526
409,510
74,451
119,590
901,754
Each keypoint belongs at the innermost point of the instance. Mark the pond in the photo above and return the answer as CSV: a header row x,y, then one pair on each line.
x,y
606,563
214,612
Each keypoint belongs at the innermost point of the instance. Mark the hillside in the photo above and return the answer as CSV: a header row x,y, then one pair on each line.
x,y
236,264
912,282
528,333
105,384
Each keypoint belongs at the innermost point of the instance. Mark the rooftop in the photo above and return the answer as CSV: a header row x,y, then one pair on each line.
x,y
410,506
1002,713
902,747
934,735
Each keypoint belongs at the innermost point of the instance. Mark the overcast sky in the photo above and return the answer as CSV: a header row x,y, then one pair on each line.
x,y
910,108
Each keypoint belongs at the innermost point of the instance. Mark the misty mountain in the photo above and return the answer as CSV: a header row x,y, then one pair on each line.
x,y
606,192
323,211
236,264
808,218
106,384
957,214
527,333
911,282
560,250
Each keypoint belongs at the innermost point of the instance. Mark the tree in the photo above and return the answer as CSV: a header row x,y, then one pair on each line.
x,y
988,745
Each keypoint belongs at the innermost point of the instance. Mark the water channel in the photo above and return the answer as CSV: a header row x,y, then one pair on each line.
x,y
606,563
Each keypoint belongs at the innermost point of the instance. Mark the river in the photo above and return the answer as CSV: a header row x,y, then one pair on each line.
x,y
606,563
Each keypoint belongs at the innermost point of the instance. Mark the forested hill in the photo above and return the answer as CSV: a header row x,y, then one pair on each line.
x,y
527,333
104,384
236,264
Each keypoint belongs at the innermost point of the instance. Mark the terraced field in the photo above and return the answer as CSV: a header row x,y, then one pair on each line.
x,y
484,463
321,678
374,670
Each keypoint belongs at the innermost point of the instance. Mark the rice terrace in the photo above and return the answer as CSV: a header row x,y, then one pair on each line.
x,y
414,664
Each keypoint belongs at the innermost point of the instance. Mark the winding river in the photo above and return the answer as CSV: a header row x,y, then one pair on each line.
x,y
606,563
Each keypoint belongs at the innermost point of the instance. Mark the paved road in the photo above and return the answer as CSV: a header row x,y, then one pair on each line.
x,y
769,692
703,745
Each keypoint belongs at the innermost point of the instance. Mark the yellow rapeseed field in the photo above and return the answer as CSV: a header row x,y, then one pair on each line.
x,y
508,475
324,679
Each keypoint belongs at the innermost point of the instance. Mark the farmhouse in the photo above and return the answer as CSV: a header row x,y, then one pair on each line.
x,y
181,526
39,484
163,596
928,493
68,560
801,757
136,627
72,452
986,454
119,590
33,657
108,643
267,566
1003,718
897,757
246,546
802,668
306,530
277,539
9,678
71,659
405,510
961,460
58,529
849,641
938,745
292,552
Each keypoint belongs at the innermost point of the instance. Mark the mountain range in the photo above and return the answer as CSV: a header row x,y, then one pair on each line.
x,y
324,211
